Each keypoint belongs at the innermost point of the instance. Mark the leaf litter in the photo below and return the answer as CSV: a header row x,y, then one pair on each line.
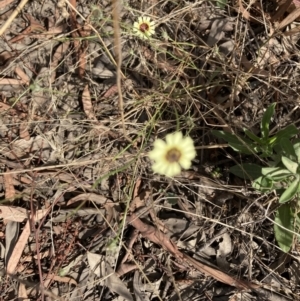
x,y
81,212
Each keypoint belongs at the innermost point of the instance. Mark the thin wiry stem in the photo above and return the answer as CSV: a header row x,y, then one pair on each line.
x,y
118,53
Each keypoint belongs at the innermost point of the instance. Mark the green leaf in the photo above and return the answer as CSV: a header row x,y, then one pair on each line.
x,y
276,173
230,138
263,184
221,3
289,164
297,223
242,149
172,198
253,136
287,132
297,150
290,192
247,171
265,123
284,220
269,170
288,148
238,144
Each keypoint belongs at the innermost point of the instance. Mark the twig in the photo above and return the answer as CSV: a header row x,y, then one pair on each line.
x,y
12,16
118,53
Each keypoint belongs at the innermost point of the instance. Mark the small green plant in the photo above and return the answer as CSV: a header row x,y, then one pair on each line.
x,y
282,173
263,146
221,3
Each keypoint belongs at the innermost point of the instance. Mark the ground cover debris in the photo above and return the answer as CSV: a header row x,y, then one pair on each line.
x,y
87,88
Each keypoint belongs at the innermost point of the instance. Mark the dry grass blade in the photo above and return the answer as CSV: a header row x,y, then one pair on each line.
x,y
289,19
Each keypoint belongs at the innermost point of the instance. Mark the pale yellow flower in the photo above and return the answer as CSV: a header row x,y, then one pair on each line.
x,y
173,155
144,28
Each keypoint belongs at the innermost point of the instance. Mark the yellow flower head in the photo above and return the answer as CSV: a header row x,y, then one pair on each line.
x,y
144,28
170,156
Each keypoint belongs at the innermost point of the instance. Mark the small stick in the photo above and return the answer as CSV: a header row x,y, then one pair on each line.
x,y
118,53
12,16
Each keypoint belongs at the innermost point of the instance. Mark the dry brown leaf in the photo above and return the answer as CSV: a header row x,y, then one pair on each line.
x,y
18,214
103,270
11,237
160,238
125,268
250,68
216,32
64,279
20,245
82,59
5,107
42,255
283,6
18,250
138,287
9,185
93,197
5,3
22,293
139,201
11,81
87,104
21,147
34,26
23,131
246,14
24,78
10,213
113,90
224,250
57,57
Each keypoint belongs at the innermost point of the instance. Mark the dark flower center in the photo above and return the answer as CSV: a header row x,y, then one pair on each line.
x,y
173,155
144,27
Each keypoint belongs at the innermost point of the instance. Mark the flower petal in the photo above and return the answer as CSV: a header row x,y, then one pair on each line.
x,y
159,143
160,168
185,163
173,170
157,154
173,139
